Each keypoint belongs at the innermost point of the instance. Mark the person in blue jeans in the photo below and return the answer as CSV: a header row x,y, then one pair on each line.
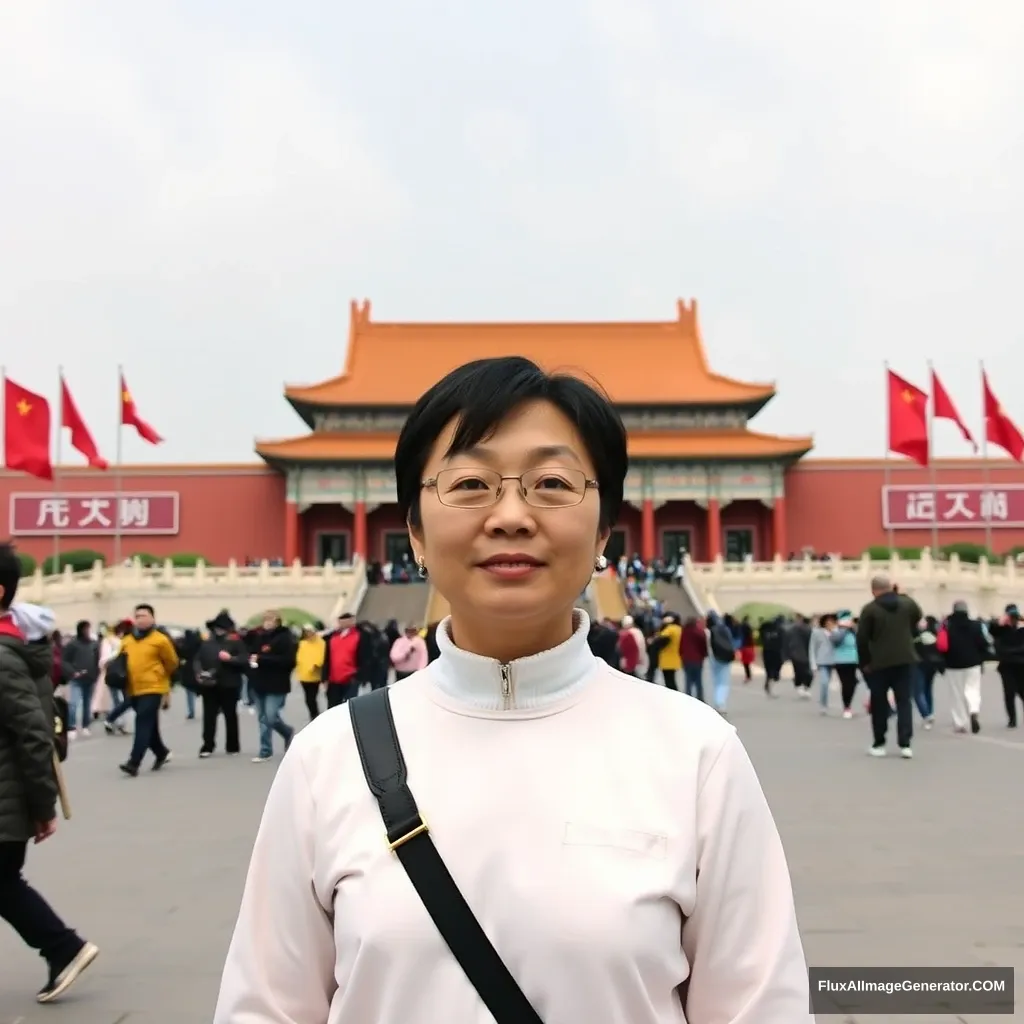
x,y
80,667
270,681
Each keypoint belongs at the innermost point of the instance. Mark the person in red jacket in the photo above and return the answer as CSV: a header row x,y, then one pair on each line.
x,y
693,649
629,647
341,661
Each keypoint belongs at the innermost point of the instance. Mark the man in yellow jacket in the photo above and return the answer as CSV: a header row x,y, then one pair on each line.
x,y
151,662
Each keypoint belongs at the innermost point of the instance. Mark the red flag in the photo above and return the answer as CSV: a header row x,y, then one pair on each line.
x,y
1000,430
130,416
908,420
944,409
81,439
27,431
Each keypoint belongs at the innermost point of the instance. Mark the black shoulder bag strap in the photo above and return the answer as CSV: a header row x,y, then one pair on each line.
x,y
409,839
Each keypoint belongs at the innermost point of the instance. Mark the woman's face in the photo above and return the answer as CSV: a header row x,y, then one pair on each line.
x,y
489,606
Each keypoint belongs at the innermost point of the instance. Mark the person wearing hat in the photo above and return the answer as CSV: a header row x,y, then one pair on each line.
x,y
343,658
220,662
1008,638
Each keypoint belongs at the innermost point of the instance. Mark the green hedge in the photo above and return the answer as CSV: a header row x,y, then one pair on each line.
x,y
289,617
81,560
185,560
28,564
882,553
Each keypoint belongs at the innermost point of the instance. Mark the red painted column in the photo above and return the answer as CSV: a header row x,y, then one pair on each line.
x,y
779,540
359,544
647,542
291,533
714,529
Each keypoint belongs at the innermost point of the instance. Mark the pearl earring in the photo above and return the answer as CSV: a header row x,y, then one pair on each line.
x,y
600,563
421,567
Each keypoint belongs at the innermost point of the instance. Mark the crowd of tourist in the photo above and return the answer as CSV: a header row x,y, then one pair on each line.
x,y
892,647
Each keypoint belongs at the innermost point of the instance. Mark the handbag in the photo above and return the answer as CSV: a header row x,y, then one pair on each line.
x,y
408,838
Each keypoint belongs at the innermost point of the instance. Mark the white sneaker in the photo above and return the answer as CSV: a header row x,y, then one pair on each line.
x,y
876,751
847,713
261,760
906,752
85,732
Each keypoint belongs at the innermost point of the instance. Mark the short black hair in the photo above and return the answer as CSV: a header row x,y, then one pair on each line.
x,y
10,574
482,394
145,608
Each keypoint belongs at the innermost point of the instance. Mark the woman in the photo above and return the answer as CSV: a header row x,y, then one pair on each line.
x,y
824,640
610,838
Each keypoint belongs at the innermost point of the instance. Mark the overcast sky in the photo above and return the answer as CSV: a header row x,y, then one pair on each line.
x,y
197,189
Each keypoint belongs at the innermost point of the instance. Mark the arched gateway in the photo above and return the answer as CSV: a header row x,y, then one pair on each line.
x,y
699,478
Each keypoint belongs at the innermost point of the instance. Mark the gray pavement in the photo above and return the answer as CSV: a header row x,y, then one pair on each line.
x,y
894,862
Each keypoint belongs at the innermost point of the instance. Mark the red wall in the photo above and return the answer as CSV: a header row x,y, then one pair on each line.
x,y
836,505
224,511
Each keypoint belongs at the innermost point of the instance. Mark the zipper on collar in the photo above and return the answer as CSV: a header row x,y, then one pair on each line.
x,y
507,689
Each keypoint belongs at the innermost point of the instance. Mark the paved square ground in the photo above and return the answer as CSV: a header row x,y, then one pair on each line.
x,y
894,862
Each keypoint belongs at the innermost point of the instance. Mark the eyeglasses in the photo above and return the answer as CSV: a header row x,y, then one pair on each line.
x,y
474,487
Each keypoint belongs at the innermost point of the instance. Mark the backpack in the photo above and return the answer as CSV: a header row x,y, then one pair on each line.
x,y
721,643
116,676
61,716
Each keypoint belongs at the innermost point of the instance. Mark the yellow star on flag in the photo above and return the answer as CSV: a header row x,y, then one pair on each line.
x,y
908,397
24,408
126,397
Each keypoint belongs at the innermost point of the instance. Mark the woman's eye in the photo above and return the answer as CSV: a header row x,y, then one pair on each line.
x,y
551,482
468,483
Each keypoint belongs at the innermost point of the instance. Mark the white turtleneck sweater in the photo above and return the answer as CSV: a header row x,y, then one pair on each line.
x,y
610,835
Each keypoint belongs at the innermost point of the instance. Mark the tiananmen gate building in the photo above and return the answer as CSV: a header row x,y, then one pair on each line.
x,y
700,477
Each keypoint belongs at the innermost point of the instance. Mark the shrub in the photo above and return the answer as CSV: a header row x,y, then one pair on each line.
x,y
28,564
185,560
968,552
882,553
763,611
81,560
147,560
289,616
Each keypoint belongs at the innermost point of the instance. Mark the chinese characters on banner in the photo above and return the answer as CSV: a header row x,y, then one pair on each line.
x,y
132,514
960,506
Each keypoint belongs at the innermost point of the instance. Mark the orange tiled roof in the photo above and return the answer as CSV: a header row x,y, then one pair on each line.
x,y
636,363
700,444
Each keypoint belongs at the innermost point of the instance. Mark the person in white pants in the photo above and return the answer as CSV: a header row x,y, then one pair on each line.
x,y
964,697
967,646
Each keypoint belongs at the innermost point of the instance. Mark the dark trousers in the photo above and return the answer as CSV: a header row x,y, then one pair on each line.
x,y
339,693
802,675
147,729
772,662
669,675
220,700
30,915
311,691
1013,690
848,682
693,679
900,680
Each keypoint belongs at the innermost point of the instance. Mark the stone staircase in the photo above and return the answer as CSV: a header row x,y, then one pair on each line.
x,y
403,602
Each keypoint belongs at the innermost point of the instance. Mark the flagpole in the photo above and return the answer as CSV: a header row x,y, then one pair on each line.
x,y
933,470
117,467
986,479
887,483
56,471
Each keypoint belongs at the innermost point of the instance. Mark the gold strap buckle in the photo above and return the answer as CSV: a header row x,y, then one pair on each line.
x,y
417,831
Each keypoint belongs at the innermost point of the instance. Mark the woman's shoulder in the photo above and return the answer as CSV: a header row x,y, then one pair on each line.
x,y
658,712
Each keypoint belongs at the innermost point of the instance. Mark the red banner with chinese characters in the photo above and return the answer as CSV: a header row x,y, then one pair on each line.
x,y
141,514
953,506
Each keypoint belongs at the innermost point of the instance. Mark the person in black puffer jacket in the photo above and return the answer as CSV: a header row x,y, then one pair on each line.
x,y
270,679
28,786
966,650
218,667
1008,637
